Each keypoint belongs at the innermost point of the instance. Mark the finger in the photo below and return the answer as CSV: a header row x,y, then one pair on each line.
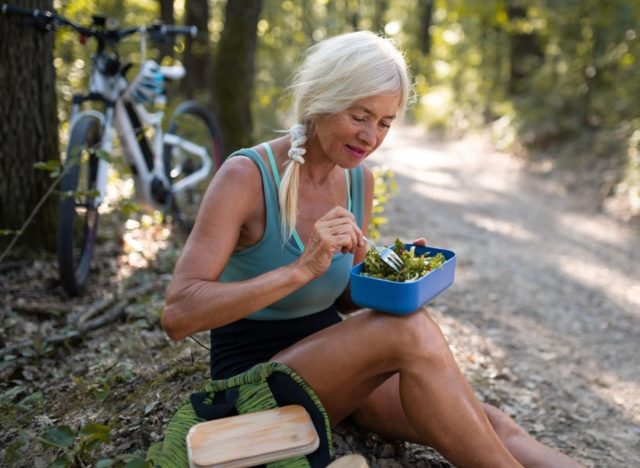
x,y
420,241
336,219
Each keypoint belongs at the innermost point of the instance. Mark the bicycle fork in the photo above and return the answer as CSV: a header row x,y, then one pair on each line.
x,y
106,146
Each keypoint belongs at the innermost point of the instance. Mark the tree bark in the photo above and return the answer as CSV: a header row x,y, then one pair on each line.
x,y
524,48
380,9
29,132
166,16
426,19
234,72
197,58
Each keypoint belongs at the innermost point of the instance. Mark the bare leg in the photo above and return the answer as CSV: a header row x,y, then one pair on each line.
x,y
382,413
345,363
525,448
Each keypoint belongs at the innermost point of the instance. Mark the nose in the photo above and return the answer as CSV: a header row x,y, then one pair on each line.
x,y
368,135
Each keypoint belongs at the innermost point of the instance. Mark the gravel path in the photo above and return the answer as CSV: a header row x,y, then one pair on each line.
x,y
544,315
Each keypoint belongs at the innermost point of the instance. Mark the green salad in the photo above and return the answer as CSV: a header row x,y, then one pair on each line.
x,y
414,268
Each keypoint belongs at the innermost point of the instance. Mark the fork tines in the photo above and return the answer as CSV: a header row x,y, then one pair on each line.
x,y
392,259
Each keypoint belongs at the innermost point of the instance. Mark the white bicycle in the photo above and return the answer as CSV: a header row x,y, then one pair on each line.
x,y
170,169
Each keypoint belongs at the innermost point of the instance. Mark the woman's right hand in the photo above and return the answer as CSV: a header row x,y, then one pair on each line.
x,y
336,231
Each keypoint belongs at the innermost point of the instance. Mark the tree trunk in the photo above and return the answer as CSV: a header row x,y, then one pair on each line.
x,y
28,133
197,59
234,72
166,16
524,48
426,18
308,19
380,9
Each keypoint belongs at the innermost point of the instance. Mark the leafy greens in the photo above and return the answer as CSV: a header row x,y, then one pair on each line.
x,y
414,266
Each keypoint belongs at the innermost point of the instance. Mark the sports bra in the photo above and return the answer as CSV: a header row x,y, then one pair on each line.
x,y
271,252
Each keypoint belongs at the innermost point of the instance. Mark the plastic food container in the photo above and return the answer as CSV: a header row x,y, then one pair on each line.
x,y
402,298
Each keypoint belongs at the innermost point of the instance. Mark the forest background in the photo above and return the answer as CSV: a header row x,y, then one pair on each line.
x,y
552,81
547,79
543,76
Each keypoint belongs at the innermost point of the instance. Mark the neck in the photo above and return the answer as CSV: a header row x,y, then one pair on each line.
x,y
318,167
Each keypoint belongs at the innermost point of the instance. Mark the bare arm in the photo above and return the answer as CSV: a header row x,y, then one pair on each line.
x,y
197,301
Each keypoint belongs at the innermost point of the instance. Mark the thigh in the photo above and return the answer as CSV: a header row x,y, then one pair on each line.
x,y
346,362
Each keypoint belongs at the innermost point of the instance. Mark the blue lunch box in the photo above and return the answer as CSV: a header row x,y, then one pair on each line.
x,y
402,298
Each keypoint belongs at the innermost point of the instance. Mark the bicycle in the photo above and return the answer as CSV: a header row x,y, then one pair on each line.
x,y
170,169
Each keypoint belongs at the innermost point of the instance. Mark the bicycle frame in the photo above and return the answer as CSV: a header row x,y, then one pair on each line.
x,y
162,164
130,120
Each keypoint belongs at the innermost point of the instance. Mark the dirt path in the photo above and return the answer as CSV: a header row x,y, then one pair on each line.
x,y
547,287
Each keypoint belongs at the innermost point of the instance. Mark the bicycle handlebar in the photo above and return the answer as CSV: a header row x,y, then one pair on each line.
x,y
49,20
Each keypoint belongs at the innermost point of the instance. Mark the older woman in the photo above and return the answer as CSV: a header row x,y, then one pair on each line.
x,y
267,264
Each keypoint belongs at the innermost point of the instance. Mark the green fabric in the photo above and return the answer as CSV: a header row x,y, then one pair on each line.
x,y
254,395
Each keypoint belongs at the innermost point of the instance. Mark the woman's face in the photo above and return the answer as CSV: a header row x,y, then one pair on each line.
x,y
348,137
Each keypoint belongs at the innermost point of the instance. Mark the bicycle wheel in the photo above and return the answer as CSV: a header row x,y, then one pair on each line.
x,y
78,215
190,122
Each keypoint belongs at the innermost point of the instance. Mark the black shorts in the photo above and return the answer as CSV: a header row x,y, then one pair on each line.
x,y
240,345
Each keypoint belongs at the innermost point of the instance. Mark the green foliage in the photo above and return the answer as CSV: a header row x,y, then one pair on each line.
x,y
79,449
385,186
540,74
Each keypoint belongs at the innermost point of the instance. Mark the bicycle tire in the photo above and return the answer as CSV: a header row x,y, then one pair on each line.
x,y
78,214
193,122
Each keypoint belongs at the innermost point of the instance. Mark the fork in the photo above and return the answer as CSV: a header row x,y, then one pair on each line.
x,y
387,255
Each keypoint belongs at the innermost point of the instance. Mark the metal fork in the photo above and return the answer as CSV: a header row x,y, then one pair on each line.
x,y
387,255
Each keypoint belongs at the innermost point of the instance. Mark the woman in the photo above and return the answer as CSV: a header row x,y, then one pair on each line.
x,y
266,269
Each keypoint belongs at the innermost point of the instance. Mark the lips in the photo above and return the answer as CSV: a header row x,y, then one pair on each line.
x,y
357,152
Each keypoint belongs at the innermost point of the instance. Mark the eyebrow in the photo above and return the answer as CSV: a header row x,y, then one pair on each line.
x,y
368,111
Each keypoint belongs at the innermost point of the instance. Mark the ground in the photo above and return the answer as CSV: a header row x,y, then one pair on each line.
x,y
544,317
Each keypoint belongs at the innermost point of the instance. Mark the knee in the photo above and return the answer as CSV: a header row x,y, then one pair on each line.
x,y
418,335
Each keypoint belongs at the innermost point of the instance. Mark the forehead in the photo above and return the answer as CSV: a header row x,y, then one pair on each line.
x,y
380,106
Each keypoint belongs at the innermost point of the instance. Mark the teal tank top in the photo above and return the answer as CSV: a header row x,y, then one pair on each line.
x,y
270,252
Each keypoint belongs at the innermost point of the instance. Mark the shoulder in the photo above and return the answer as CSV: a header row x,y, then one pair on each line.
x,y
367,175
237,181
236,168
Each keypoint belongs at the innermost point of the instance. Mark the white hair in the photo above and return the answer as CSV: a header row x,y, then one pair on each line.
x,y
335,73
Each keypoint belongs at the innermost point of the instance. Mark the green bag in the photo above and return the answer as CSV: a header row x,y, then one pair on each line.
x,y
265,386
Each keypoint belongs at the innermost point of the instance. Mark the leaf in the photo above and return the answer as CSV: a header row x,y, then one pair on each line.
x,y
136,462
49,165
95,431
30,400
60,436
105,462
62,462
52,166
104,155
103,392
13,453
379,220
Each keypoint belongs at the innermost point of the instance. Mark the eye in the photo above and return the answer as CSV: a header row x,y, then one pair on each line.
x,y
358,118
385,125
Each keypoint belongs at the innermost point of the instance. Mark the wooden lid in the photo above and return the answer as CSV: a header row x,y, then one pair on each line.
x,y
252,439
